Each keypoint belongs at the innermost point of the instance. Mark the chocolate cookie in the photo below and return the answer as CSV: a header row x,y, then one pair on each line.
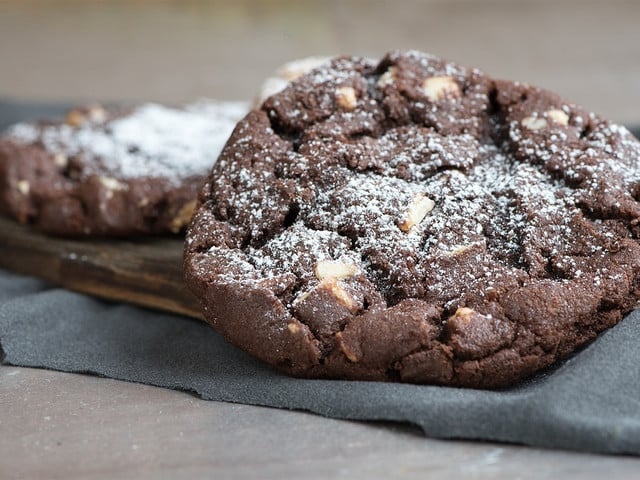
x,y
417,221
111,172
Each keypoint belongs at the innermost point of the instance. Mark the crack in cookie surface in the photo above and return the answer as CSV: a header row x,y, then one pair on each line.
x,y
457,203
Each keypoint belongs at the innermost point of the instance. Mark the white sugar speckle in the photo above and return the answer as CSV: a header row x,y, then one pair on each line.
x,y
153,140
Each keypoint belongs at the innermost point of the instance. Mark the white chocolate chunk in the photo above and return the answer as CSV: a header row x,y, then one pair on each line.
x,y
534,123
464,313
437,88
420,206
346,98
558,116
23,187
340,294
301,298
113,184
293,327
60,160
334,269
388,77
458,250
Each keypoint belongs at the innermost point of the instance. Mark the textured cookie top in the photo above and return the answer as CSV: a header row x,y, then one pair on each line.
x,y
150,140
500,215
116,172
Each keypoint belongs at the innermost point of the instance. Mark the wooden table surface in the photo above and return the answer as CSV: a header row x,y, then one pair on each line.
x,y
57,425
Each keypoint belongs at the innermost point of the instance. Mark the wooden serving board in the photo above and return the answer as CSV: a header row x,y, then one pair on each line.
x,y
146,272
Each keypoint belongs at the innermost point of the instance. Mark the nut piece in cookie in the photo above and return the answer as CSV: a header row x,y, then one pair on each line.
x,y
346,98
23,187
437,88
325,307
558,117
420,206
534,123
387,78
334,269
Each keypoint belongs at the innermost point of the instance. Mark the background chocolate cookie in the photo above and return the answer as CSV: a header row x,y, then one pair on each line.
x,y
416,220
280,78
111,172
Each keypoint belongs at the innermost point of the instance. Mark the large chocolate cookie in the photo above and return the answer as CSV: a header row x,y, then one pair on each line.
x,y
109,172
417,221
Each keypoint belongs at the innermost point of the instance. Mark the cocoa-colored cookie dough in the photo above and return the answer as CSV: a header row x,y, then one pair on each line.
x,y
417,221
113,172
278,80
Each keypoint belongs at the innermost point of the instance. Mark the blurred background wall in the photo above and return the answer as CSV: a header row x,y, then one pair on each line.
x,y
172,51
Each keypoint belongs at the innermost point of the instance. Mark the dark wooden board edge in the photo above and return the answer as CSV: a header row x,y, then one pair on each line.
x,y
145,272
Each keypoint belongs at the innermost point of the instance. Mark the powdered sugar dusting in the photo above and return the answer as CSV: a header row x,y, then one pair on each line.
x,y
529,205
459,231
152,140
306,247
